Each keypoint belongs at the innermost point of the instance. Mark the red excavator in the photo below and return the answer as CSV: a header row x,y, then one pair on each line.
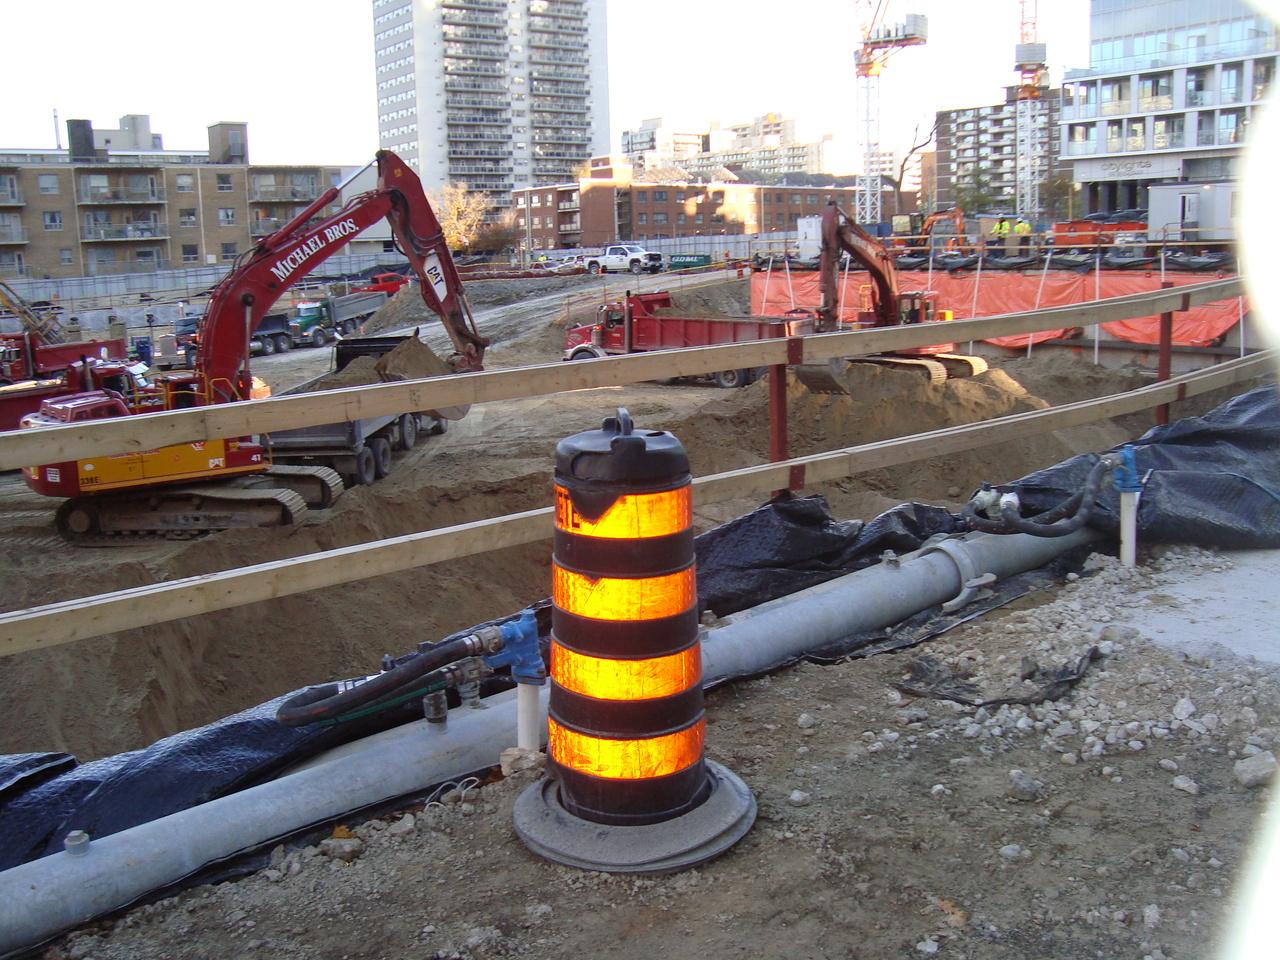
x,y
192,488
883,304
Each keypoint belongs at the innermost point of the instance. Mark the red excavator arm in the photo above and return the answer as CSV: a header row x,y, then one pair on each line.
x,y
839,233
246,294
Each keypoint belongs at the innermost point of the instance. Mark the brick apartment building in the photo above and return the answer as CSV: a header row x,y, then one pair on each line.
x,y
116,202
610,206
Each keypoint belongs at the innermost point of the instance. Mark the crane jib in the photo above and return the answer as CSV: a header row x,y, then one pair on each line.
x,y
300,254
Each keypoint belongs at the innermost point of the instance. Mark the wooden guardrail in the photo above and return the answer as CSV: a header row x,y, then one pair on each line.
x,y
147,432
58,623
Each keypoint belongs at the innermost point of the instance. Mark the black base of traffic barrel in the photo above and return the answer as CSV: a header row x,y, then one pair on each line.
x,y
705,832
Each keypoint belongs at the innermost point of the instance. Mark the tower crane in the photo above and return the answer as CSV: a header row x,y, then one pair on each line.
x,y
1032,67
879,42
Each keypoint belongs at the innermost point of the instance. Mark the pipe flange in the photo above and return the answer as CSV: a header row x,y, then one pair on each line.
x,y
972,582
706,831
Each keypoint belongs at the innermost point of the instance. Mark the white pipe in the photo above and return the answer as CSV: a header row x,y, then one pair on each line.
x,y
41,898
1129,527
529,720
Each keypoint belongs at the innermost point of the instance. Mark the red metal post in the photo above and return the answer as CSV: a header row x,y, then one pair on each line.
x,y
1164,364
778,403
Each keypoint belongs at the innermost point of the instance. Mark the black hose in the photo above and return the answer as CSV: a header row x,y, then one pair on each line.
x,y
1067,517
330,701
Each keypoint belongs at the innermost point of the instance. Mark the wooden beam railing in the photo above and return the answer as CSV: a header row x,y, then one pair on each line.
x,y
148,432
67,621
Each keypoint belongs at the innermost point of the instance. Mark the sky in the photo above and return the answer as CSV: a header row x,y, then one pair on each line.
x,y
301,75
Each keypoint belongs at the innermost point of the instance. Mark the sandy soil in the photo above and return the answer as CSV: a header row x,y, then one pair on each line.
x,y
890,825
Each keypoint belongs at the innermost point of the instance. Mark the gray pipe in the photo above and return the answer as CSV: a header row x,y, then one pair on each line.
x,y
758,640
44,897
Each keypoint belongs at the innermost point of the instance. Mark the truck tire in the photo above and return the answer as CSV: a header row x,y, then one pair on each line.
x,y
319,337
582,355
283,343
268,345
366,469
730,379
594,267
408,432
381,448
636,267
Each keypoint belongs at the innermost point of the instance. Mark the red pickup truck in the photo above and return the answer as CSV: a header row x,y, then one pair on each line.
x,y
387,283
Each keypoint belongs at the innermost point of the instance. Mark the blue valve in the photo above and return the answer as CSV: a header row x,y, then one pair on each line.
x,y
520,650
1125,477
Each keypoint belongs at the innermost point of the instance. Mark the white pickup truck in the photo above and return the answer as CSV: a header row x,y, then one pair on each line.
x,y
623,257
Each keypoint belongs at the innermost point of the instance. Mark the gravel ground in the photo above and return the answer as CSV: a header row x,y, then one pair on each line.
x,y
1113,822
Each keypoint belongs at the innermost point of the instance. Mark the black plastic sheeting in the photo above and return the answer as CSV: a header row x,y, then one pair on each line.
x,y
1212,481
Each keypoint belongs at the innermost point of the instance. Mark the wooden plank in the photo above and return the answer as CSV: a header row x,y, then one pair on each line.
x,y
58,623
74,441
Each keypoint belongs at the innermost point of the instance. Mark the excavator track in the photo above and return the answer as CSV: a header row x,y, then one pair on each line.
x,y
839,375
961,365
318,486
174,513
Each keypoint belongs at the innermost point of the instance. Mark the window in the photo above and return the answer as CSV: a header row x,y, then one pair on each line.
x,y
768,197
642,196
49,183
680,218
537,223
642,218
187,217
53,220
224,182
795,218
226,216
659,196
65,257
537,200
812,200
659,218
717,196
679,196
795,197
228,251
185,182
190,253
697,218
717,218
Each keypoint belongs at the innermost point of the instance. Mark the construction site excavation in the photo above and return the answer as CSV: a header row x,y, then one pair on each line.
x,y
846,608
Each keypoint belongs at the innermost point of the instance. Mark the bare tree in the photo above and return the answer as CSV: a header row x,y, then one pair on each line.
x,y
918,144
461,213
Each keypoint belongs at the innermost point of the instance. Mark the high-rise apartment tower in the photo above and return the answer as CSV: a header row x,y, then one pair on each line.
x,y
496,94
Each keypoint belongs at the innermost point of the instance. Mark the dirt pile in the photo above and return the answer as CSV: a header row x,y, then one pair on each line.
x,y
407,307
411,359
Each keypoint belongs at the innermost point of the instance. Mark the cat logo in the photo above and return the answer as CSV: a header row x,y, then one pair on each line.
x,y
198,445
215,462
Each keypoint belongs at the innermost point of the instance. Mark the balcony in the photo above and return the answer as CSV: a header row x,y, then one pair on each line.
x,y
556,9
570,226
1205,138
1233,135
1114,108
1081,148
105,195
554,41
474,51
462,169
455,67
472,17
1200,98
489,103
12,233
454,118
13,271
1136,144
537,22
271,193
1152,104
1115,144
475,86
543,71
481,35
125,231
498,6
1231,95
12,197
546,55
1168,141
568,205
469,153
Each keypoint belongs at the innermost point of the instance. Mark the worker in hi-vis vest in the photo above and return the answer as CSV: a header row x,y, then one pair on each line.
x,y
999,233
1023,231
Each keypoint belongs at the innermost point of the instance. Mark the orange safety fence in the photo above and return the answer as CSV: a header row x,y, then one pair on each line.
x,y
968,295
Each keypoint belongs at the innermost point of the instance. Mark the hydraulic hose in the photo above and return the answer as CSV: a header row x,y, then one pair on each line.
x,y
331,701
1067,517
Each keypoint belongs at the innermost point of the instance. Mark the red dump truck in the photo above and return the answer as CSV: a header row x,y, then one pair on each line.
x,y
631,325
31,371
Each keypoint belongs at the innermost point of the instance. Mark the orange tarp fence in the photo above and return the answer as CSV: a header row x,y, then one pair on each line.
x,y
968,295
